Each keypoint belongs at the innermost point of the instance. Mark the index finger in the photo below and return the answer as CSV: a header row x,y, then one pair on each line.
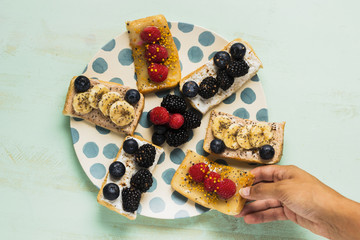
x,y
271,173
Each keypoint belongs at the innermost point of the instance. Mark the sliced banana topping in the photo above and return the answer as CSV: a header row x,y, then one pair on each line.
x,y
107,100
220,125
81,103
230,137
122,113
260,134
243,137
96,93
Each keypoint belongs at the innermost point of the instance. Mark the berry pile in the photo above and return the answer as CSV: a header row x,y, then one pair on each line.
x,y
172,121
223,187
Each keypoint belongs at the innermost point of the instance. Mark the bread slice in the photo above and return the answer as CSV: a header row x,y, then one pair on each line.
x,y
144,84
196,192
131,169
209,69
96,116
244,155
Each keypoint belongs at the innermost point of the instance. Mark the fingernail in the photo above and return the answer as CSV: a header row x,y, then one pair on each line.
x,y
245,192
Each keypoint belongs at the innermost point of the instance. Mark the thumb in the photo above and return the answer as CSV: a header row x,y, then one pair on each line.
x,y
262,191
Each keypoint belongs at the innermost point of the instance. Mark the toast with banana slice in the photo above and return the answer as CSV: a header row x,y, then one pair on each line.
x,y
245,140
196,191
104,104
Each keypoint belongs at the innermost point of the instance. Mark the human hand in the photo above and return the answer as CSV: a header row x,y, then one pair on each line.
x,y
289,193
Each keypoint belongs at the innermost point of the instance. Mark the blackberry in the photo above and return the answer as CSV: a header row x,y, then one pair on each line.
x,y
130,199
194,111
191,120
142,180
175,138
145,155
224,79
237,68
208,87
174,103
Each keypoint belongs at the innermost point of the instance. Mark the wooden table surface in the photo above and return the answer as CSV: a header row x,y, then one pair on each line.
x,y
310,51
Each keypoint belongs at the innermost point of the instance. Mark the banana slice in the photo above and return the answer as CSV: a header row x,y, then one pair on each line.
x,y
243,137
107,100
220,125
81,103
260,134
96,93
230,137
122,113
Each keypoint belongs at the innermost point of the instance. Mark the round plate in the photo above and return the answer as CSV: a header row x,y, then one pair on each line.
x,y
96,147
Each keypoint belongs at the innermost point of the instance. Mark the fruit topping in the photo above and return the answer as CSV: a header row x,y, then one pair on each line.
x,y
130,199
219,126
159,116
157,72
107,100
132,96
267,152
191,120
160,129
156,53
150,34
176,121
142,180
145,155
158,139
211,180
190,89
243,137
175,138
237,68
217,146
238,51
95,94
224,79
81,103
130,146
222,59
208,87
174,103
81,84
111,191
260,134
122,113
230,137
117,170
198,172
225,188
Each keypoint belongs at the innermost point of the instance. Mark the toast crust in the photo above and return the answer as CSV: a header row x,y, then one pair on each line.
x,y
195,191
252,155
95,116
138,52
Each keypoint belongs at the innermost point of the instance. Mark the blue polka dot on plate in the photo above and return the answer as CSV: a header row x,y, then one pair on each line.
x,y
85,69
162,158
201,209
167,175
206,38
191,135
181,66
153,186
177,43
100,65
177,91
222,162
135,76
91,149
262,115
157,205
74,135
102,130
169,24
212,55
230,99
185,27
144,121
162,94
117,80
110,150
248,96
98,170
241,113
139,209
199,148
138,134
195,54
255,78
177,156
181,214
178,198
78,119
109,46
125,57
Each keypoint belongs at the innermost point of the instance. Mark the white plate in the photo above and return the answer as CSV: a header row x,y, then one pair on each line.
x,y
96,147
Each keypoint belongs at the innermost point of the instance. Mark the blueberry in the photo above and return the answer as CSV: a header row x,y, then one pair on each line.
x,y
160,129
130,146
117,170
81,84
190,89
217,146
148,117
238,51
111,191
267,152
158,139
132,96
221,59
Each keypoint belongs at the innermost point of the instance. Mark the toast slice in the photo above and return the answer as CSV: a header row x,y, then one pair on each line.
x,y
196,192
247,155
95,116
209,69
144,84
131,169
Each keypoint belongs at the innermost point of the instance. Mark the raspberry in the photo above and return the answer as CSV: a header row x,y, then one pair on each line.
x,y
156,53
237,68
159,116
211,180
226,188
157,72
174,103
198,172
150,34
176,121
176,137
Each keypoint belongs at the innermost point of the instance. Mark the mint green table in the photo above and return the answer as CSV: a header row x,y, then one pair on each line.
x,y
310,53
